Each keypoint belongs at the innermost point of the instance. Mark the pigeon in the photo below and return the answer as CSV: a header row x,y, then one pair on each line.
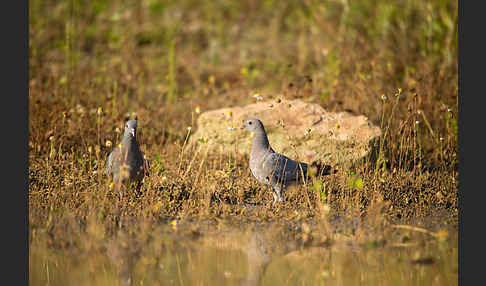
x,y
271,168
126,162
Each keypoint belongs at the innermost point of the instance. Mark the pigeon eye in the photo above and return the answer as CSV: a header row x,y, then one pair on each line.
x,y
249,122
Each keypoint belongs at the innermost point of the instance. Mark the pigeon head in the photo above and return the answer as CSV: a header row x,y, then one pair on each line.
x,y
131,128
254,125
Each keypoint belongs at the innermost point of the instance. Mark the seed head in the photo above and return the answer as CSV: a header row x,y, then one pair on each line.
x,y
203,139
258,96
229,113
173,224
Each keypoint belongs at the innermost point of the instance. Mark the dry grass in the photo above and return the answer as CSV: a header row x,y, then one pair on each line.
x,y
160,60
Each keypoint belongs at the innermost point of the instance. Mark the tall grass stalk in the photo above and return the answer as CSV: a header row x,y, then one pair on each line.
x,y
171,75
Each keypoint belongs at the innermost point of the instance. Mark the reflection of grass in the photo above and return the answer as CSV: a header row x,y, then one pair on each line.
x,y
189,255
161,59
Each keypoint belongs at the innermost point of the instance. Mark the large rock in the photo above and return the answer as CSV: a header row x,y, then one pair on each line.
x,y
300,130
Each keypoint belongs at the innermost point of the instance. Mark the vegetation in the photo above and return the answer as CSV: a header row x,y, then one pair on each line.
x,y
93,64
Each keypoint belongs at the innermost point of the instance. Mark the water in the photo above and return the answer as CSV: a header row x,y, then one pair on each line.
x,y
296,252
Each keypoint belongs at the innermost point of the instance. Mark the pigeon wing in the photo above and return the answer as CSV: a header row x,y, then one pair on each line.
x,y
109,163
113,161
283,169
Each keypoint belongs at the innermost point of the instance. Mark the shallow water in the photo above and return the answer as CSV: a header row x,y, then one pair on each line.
x,y
344,252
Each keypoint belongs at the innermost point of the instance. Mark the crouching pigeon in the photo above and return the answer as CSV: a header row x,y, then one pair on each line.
x,y
126,163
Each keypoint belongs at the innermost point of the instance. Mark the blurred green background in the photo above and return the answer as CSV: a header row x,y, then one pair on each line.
x,y
341,54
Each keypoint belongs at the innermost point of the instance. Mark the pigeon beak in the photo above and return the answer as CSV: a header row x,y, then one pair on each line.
x,y
132,132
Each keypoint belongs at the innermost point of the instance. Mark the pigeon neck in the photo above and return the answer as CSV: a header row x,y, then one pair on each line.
x,y
127,139
260,141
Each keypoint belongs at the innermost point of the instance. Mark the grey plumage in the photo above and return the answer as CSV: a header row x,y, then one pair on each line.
x,y
126,163
271,168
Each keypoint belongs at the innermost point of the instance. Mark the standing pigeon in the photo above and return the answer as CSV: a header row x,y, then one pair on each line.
x,y
126,163
271,168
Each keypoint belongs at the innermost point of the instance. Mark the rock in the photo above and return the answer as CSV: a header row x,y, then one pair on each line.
x,y
303,131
